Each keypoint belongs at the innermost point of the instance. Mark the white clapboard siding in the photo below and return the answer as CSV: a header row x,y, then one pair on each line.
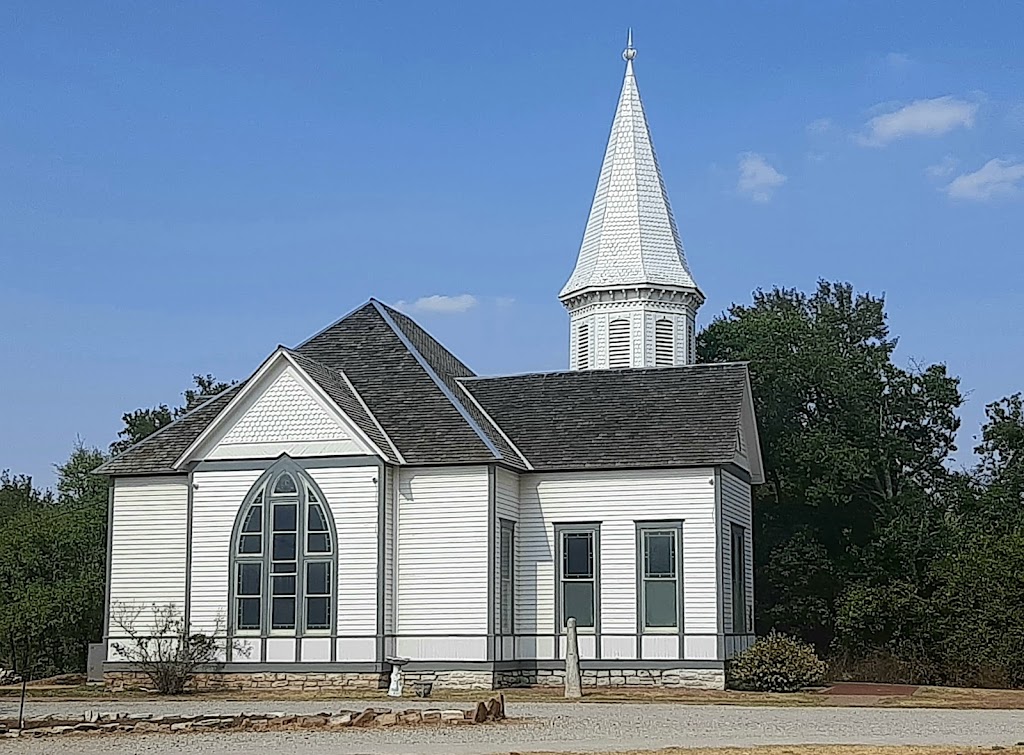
x,y
736,508
216,499
616,499
149,539
442,551
351,493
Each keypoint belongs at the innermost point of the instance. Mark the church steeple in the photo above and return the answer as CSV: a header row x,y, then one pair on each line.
x,y
631,298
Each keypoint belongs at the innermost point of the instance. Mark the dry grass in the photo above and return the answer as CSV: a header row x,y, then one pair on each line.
x,y
814,750
926,697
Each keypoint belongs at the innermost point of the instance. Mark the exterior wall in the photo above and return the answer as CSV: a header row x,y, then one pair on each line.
x,y
442,563
352,495
736,509
147,562
618,500
690,678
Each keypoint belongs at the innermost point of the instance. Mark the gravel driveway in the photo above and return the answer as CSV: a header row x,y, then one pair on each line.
x,y
544,726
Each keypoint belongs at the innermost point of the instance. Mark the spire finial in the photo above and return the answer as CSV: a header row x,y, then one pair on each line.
x,y
630,52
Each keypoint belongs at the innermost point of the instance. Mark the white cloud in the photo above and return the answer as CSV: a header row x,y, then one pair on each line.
x,y
820,126
898,60
440,304
758,179
943,168
920,118
996,178
505,301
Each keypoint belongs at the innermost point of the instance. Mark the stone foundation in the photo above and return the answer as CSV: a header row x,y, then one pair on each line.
x,y
452,679
671,678
455,679
309,682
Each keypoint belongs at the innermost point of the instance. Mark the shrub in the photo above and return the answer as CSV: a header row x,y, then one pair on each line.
x,y
776,663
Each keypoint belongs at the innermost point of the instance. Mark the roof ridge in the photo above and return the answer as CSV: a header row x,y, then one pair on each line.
x,y
385,312
609,370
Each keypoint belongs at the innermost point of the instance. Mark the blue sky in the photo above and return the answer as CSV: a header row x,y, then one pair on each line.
x,y
185,185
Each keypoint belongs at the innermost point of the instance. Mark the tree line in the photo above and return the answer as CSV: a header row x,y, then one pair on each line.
x,y
895,563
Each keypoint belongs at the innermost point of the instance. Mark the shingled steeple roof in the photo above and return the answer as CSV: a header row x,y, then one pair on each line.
x,y
631,237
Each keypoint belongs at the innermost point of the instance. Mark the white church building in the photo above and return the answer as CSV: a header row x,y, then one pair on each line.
x,y
364,496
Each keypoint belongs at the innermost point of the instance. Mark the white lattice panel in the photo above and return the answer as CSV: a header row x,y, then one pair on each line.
x,y
285,411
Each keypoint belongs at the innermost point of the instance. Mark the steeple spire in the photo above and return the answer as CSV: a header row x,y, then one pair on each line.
x,y
631,246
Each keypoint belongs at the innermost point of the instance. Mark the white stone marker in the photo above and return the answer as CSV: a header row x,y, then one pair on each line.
x,y
573,682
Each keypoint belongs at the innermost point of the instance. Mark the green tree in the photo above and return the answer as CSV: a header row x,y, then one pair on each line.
x,y
52,556
141,423
849,439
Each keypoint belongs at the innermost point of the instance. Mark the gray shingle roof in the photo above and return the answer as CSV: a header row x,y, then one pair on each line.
x,y
341,393
412,398
599,419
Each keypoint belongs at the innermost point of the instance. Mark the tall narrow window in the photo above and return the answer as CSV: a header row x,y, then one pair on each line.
x,y
577,580
659,564
618,344
664,343
739,579
284,559
506,578
583,346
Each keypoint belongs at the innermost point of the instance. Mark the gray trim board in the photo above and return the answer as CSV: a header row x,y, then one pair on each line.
x,y
188,555
492,494
382,535
719,578
307,462
110,560
278,668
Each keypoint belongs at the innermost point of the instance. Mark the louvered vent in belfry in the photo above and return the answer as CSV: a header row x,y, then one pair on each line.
x,y
618,344
583,346
664,338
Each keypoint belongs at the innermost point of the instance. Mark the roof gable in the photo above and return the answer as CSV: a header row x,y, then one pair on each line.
x,y
281,410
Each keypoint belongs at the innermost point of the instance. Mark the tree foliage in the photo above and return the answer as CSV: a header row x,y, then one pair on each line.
x,y
141,423
866,542
52,556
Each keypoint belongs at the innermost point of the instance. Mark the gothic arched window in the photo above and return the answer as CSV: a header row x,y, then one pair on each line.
x,y
284,557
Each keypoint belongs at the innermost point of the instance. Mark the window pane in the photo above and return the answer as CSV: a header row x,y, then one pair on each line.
x,y
660,554
285,484
578,603
248,613
284,547
315,520
318,578
739,590
249,578
253,520
284,517
318,542
283,613
505,562
284,585
578,561
250,544
283,567
311,494
660,603
318,613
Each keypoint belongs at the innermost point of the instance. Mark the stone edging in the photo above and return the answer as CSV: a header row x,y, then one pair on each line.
x,y
110,723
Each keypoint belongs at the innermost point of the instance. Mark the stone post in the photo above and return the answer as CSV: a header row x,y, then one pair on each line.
x,y
573,680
